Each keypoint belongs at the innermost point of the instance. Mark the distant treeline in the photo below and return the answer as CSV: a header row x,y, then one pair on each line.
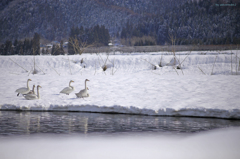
x,y
18,47
96,36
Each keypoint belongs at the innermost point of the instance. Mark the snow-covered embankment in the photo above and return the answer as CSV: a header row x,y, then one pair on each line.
x,y
129,85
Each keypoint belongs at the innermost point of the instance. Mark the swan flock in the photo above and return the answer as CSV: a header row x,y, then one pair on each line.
x,y
31,95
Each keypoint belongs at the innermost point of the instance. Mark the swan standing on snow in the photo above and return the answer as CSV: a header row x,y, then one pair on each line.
x,y
32,91
33,96
83,93
23,90
68,90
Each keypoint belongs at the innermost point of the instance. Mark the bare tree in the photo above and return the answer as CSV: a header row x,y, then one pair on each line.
x,y
78,45
173,39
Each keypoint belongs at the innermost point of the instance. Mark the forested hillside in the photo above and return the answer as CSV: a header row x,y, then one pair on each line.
x,y
136,22
191,23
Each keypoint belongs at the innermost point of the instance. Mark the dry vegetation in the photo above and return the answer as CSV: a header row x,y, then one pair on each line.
x,y
135,41
159,48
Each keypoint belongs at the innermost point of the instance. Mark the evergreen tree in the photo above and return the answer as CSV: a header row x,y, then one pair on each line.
x,y
71,38
2,49
36,44
15,45
20,50
47,51
53,50
57,50
27,47
15,42
105,36
8,49
82,34
61,48
71,45
43,51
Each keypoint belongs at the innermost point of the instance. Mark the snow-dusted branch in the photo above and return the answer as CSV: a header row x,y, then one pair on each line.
x,y
18,65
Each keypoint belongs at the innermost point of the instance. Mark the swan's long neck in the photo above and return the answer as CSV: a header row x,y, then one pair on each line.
x,y
28,85
38,95
33,89
70,84
85,85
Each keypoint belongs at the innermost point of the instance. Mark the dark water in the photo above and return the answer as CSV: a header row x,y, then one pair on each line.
x,y
27,123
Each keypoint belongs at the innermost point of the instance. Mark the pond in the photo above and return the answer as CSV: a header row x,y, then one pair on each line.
x,y
14,123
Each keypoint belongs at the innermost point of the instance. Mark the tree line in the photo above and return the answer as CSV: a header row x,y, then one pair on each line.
x,y
19,47
79,38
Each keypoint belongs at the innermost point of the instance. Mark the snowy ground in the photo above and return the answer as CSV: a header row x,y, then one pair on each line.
x,y
206,86
220,144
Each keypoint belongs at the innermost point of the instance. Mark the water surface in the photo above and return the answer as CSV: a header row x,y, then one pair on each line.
x,y
13,123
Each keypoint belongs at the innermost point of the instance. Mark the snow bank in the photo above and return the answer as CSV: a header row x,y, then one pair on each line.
x,y
220,144
129,85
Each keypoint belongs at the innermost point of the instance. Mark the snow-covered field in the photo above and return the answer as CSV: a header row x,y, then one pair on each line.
x,y
206,86
220,144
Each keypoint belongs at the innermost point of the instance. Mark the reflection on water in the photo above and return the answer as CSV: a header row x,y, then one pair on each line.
x,y
25,123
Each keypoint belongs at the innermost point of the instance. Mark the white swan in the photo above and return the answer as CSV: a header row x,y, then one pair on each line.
x,y
68,90
83,93
23,90
32,91
33,96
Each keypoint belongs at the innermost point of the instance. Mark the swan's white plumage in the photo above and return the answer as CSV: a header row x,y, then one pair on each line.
x,y
33,96
68,90
32,91
83,93
23,90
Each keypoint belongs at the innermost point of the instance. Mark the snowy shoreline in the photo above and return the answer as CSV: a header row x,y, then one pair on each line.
x,y
215,113
130,85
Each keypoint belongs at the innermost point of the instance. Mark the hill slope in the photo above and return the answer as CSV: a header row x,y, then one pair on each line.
x,y
192,23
